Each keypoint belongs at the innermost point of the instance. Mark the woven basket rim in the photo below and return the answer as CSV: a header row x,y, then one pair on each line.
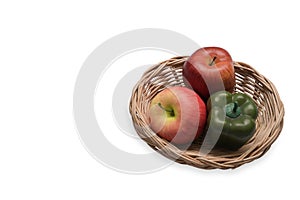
x,y
249,80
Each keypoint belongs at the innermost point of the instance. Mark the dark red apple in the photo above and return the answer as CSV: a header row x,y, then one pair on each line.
x,y
208,70
177,114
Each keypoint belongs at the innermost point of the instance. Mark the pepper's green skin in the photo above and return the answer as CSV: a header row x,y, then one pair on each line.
x,y
231,119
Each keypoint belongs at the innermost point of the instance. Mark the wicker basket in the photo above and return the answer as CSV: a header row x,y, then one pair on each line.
x,y
248,80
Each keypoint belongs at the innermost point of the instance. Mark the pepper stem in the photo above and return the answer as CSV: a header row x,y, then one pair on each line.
x,y
232,110
235,106
213,60
170,111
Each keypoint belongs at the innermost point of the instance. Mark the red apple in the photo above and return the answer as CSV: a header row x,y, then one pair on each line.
x,y
208,70
177,114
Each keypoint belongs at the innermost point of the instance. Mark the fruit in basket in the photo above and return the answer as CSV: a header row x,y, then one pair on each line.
x,y
231,119
208,70
177,114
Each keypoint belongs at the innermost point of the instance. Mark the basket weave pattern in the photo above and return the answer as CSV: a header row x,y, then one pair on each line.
x,y
248,80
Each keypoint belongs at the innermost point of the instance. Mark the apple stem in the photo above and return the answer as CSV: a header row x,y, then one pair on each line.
x,y
167,110
213,60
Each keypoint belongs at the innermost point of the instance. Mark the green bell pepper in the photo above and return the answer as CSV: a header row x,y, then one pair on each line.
x,y
231,119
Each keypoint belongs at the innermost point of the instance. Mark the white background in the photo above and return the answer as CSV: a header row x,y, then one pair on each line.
x,y
42,48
